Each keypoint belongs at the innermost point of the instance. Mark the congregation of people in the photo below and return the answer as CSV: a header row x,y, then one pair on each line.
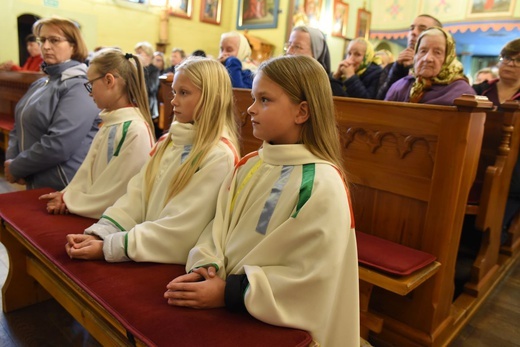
x,y
186,194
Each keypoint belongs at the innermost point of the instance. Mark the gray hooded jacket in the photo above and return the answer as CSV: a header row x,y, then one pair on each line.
x,y
55,122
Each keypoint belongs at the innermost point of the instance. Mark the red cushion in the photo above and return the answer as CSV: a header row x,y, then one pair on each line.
x,y
6,122
389,256
133,292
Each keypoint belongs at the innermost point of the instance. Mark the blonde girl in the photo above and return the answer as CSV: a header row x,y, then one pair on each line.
x,y
122,145
282,245
172,199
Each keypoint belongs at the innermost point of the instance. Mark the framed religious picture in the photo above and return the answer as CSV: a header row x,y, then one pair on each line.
x,y
363,23
180,8
210,11
305,12
340,19
489,8
257,14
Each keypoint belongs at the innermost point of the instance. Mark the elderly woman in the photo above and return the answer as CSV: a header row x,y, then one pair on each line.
x,y
359,73
311,42
235,54
56,120
437,74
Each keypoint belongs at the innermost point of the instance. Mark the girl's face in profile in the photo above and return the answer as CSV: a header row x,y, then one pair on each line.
x,y
186,96
275,118
97,85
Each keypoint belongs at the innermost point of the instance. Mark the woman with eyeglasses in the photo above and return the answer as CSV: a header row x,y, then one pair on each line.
x,y
56,120
507,86
309,41
122,145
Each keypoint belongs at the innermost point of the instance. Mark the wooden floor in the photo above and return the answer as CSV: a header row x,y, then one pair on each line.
x,y
48,324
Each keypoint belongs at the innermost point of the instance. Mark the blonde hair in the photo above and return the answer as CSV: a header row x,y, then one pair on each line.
x,y
113,60
71,33
214,114
304,79
146,47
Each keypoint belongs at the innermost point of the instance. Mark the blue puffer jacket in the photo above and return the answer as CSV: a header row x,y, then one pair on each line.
x,y
55,122
239,78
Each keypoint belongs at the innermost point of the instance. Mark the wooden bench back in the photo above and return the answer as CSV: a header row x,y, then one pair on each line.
x,y
164,97
499,153
411,168
13,85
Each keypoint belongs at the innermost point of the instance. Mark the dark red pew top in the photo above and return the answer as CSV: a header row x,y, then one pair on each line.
x,y
133,292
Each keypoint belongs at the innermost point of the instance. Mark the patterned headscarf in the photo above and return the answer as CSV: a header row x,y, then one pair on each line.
x,y
451,69
369,57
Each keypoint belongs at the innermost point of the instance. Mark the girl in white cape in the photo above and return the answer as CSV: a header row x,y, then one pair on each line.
x,y
282,245
122,145
173,198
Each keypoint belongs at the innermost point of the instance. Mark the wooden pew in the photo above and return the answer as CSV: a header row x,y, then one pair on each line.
x,y
120,304
511,248
411,168
165,97
13,85
498,157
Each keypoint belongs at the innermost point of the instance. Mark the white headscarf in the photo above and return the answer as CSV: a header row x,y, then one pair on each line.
x,y
244,49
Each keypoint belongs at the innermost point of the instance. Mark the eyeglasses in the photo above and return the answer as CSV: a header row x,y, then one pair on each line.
x,y
287,46
53,40
506,60
88,85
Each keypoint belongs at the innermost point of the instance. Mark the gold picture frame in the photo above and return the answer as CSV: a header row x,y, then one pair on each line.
x,y
363,23
489,9
180,8
210,11
340,19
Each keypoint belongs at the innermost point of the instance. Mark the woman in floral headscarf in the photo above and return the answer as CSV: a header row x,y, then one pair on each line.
x,y
359,73
437,74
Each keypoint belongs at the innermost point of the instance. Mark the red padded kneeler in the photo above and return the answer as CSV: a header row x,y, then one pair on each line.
x,y
133,292
389,256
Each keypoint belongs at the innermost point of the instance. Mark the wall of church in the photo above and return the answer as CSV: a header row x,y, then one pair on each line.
x,y
119,23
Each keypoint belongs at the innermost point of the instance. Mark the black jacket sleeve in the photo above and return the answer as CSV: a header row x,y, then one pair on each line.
x,y
397,72
236,286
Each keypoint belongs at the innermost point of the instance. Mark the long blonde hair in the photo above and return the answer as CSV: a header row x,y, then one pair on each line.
x,y
113,60
213,115
304,79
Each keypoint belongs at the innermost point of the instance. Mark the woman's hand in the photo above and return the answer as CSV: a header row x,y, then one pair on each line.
x,y
345,70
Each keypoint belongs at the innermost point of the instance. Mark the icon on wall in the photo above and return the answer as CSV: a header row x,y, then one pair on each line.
x,y
340,19
363,23
257,14
210,11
